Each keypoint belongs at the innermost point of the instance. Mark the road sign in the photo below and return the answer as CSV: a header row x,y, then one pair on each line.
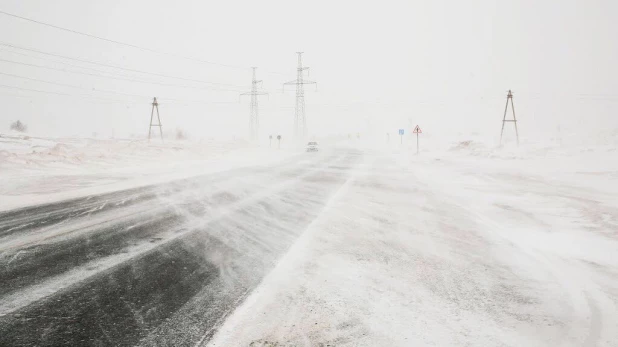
x,y
400,131
417,130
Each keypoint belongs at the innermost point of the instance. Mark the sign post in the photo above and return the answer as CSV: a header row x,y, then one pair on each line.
x,y
401,135
417,131
279,140
270,140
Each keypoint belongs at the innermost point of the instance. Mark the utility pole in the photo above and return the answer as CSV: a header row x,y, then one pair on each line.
x,y
509,97
254,121
300,119
155,104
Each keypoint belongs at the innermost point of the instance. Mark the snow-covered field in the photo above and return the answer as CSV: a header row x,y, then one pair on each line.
x,y
471,245
35,170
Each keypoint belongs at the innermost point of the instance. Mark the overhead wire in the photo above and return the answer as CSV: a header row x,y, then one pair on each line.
x,y
110,91
146,49
116,66
64,63
117,101
117,42
61,94
119,78
111,73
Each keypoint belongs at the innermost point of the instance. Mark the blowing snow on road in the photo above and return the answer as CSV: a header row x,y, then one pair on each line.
x,y
421,252
345,247
278,173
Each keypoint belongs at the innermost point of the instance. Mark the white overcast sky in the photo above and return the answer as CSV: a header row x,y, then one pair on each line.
x,y
380,65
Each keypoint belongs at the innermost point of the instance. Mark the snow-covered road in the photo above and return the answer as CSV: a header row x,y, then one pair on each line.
x,y
446,251
346,247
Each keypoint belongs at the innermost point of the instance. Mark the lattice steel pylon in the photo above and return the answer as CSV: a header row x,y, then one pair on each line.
x,y
509,96
155,104
300,119
254,120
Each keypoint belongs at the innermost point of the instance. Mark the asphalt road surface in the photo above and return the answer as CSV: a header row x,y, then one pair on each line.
x,y
157,265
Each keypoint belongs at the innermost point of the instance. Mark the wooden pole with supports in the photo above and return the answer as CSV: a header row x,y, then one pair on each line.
x,y
155,104
509,96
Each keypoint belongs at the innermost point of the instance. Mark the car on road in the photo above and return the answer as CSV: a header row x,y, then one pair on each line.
x,y
312,147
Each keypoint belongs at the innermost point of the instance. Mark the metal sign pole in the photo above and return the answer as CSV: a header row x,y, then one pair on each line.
x,y
417,130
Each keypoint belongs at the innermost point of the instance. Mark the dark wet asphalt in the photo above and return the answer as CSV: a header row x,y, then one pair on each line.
x,y
183,254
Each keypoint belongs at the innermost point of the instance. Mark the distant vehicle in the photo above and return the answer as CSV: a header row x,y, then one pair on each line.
x,y
312,147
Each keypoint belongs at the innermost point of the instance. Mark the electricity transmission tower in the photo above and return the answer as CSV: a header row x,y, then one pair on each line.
x,y
300,119
509,96
254,121
155,104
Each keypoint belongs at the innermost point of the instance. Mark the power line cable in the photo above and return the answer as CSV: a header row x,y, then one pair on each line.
x,y
115,66
118,78
63,94
115,74
111,91
72,86
127,44
96,70
67,64
118,42
125,102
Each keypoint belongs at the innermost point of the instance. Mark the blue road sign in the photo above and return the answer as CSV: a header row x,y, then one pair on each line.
x,y
400,131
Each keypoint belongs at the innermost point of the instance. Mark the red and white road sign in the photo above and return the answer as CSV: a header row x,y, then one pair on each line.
x,y
417,130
